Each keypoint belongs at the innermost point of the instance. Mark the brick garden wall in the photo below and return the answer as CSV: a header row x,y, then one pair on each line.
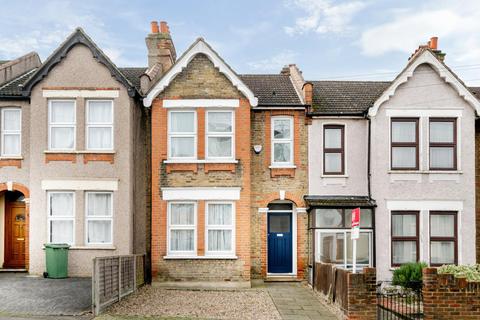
x,y
446,297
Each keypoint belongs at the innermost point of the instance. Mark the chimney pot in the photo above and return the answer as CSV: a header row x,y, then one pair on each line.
x,y
154,26
433,43
164,27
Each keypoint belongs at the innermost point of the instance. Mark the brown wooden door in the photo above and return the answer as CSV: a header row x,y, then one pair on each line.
x,y
14,235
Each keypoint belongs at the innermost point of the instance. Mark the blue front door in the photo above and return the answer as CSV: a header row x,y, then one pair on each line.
x,y
280,242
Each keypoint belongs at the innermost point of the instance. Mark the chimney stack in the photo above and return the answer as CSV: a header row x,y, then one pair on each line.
x,y
308,92
160,46
433,43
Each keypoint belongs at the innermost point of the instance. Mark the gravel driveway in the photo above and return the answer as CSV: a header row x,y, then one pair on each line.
x,y
239,304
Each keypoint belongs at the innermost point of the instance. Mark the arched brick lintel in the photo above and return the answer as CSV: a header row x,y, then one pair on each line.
x,y
15,187
290,196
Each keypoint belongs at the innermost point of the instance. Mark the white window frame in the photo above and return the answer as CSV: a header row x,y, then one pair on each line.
x,y
347,235
193,227
60,218
220,135
98,218
289,140
5,132
220,227
193,134
62,124
88,125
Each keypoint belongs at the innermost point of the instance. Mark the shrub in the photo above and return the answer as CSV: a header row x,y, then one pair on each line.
x,y
471,272
408,275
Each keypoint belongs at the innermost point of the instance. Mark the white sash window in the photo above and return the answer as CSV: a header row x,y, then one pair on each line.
x,y
99,125
11,132
220,135
220,228
61,217
99,217
182,233
61,125
182,135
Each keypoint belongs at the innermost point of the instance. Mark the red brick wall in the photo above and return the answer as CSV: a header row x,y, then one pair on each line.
x,y
446,297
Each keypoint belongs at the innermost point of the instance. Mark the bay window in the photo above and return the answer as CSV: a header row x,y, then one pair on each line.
x,y
405,237
220,221
219,135
99,125
182,233
99,218
333,149
11,132
282,141
404,144
443,144
61,217
443,238
333,237
61,124
182,135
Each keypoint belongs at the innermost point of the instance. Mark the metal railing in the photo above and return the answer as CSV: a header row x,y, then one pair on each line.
x,y
115,277
400,305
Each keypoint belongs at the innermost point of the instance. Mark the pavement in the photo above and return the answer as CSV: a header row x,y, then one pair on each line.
x,y
26,297
294,301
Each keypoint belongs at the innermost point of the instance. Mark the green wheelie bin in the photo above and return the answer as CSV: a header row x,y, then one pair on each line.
x,y
56,255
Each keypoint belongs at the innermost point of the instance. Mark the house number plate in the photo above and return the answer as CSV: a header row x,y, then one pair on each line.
x,y
279,234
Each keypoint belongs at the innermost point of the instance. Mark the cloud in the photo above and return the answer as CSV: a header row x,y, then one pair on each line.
x,y
323,16
453,23
273,64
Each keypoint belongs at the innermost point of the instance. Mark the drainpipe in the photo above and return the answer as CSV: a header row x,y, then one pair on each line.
x,y
369,156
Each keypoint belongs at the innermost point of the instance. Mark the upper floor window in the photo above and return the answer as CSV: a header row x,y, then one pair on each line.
x,y
405,237
443,144
333,149
282,141
99,217
182,135
99,125
61,217
443,238
404,145
220,133
11,132
61,124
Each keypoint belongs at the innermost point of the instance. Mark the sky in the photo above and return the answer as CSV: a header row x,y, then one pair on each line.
x,y
332,40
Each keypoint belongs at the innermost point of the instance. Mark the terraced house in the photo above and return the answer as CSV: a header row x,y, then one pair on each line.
x,y
221,177
72,164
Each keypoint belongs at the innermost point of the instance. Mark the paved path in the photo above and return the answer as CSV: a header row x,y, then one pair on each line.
x,y
24,296
296,302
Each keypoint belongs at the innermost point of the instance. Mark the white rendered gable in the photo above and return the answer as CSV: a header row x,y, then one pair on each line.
x,y
426,57
200,46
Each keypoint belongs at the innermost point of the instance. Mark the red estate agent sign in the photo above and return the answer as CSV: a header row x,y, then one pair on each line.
x,y
356,217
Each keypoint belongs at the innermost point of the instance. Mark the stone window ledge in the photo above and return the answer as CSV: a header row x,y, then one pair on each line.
x,y
199,161
200,258
91,248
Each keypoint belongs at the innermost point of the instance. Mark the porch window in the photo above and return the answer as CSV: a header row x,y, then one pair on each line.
x,y
220,228
443,144
99,125
333,237
405,242
282,141
443,238
333,149
61,217
404,144
220,133
61,125
182,220
11,132
99,217
182,135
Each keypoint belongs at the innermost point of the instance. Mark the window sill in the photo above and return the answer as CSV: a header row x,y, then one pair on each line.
x,y
93,247
200,257
333,176
199,161
425,172
283,167
80,151
11,158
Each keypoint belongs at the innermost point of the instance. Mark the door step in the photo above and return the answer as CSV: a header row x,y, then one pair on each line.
x,y
283,279
12,270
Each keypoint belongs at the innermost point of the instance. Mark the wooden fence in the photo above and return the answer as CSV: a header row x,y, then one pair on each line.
x,y
332,282
115,277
